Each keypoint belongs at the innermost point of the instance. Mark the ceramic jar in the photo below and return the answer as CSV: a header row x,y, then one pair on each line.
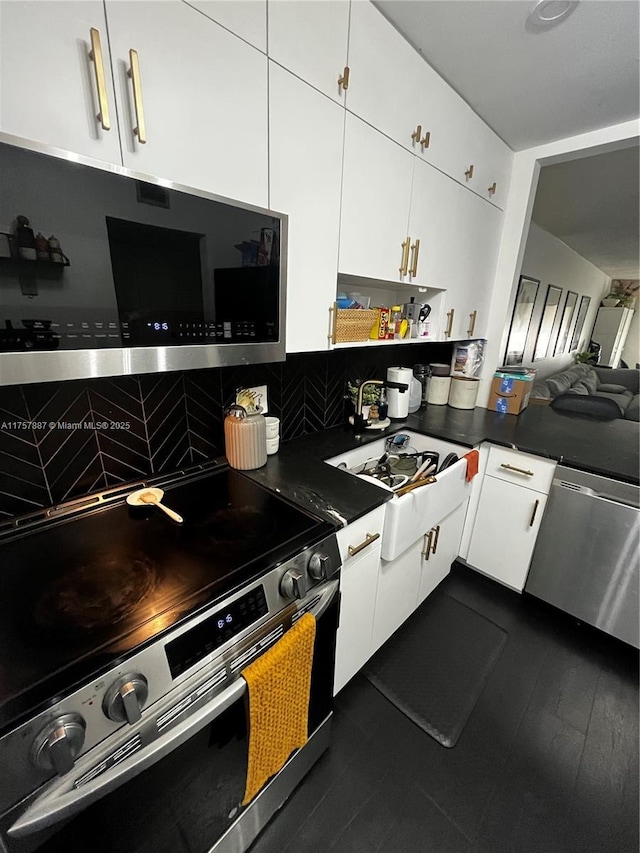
x,y
245,439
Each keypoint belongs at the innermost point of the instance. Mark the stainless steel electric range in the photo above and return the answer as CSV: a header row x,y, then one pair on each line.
x,y
123,636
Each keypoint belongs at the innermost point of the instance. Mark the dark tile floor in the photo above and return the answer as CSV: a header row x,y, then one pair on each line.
x,y
547,762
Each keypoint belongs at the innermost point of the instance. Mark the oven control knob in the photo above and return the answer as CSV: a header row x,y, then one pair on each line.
x,y
293,584
125,698
59,744
319,565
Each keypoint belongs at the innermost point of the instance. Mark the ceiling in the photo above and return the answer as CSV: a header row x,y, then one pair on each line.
x,y
531,87
592,205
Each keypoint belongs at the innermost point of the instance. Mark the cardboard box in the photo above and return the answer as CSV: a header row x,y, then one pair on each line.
x,y
510,391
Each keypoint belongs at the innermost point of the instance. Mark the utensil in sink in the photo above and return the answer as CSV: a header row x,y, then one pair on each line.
x,y
152,496
425,481
428,466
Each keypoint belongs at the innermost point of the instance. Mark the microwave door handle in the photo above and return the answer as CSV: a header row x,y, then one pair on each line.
x,y
61,800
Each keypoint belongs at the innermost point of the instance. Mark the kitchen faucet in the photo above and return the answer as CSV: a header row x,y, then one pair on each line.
x,y
359,423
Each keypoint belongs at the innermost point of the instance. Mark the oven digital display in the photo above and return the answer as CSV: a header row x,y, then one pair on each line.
x,y
194,645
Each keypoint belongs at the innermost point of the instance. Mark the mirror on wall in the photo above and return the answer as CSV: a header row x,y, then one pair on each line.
x,y
521,319
568,316
547,322
582,313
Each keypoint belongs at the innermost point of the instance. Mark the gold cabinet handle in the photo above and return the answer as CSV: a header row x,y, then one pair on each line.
x,y
417,133
434,547
415,251
95,55
449,329
333,319
343,81
517,470
426,544
426,139
140,129
469,172
533,514
492,189
370,537
404,263
472,323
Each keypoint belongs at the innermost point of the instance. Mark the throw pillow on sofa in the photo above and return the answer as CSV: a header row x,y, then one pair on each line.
x,y
559,384
611,388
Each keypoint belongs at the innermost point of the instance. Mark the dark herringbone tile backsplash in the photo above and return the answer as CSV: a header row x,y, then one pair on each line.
x,y
169,420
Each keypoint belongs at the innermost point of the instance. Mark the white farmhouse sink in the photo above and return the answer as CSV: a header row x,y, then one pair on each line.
x,y
408,517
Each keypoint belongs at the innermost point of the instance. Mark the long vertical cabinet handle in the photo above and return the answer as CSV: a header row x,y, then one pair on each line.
x,y
434,546
426,544
449,329
140,129
95,55
415,251
472,323
404,263
533,514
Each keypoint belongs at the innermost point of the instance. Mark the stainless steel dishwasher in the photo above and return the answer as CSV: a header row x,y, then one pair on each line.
x,y
586,557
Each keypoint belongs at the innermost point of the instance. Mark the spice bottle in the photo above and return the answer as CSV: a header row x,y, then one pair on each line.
x,y
25,239
42,247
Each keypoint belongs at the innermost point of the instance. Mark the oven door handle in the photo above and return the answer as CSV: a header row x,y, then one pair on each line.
x,y
62,800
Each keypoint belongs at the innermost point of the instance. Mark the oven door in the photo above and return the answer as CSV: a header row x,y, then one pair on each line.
x,y
183,791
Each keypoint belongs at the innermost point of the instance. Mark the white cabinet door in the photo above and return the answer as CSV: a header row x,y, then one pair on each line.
x,y
505,530
397,593
48,87
358,583
204,93
309,37
440,549
383,75
493,173
245,18
376,190
480,229
305,180
433,220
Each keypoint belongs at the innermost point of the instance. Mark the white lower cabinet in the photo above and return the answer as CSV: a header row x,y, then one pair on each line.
x,y
505,530
359,545
440,547
405,582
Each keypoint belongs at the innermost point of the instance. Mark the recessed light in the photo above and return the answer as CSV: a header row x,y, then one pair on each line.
x,y
549,13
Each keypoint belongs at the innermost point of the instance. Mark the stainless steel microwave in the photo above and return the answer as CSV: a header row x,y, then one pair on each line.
x,y
107,272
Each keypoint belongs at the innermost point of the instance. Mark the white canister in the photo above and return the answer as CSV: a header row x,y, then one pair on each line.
x,y
463,392
245,439
399,400
438,390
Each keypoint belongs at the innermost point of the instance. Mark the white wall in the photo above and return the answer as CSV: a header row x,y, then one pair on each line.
x,y
552,262
517,217
631,349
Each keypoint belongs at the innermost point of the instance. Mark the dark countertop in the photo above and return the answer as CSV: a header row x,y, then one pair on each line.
x,y
609,448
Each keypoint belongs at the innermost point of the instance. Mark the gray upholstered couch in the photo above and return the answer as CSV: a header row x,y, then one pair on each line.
x,y
622,385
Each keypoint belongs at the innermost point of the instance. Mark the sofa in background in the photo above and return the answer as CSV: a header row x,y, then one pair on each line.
x,y
622,385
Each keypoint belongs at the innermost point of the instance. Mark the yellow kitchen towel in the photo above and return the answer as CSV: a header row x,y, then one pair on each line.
x,y
279,684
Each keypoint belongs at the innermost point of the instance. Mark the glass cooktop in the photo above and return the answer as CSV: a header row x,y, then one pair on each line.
x,y
78,595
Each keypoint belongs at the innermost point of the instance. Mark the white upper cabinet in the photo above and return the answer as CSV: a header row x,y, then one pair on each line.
x,y
309,37
305,157
201,93
395,90
495,160
376,191
434,228
245,18
383,69
48,82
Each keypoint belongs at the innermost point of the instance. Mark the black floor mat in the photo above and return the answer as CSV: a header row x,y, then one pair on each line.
x,y
437,664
